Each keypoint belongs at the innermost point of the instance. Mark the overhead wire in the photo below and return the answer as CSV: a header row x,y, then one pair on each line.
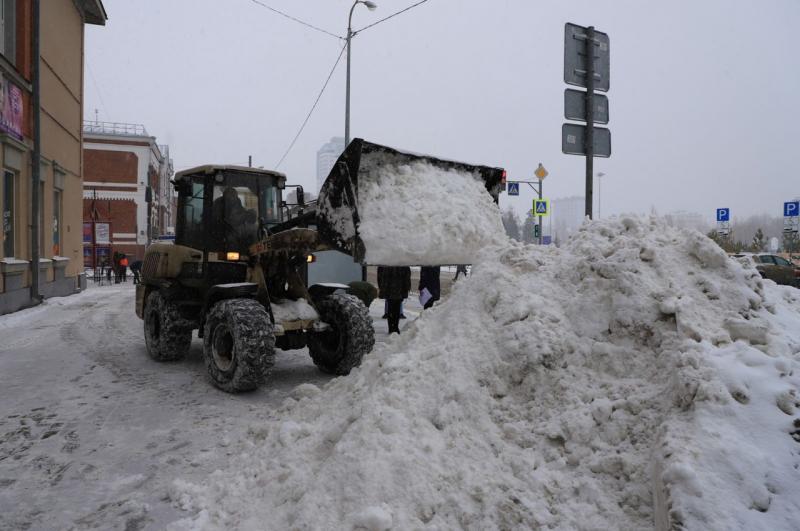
x,y
308,116
290,17
390,16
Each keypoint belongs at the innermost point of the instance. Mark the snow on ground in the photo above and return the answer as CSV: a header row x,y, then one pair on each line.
x,y
455,202
634,375
93,432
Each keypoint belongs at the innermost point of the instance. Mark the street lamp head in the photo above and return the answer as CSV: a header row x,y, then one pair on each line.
x,y
370,5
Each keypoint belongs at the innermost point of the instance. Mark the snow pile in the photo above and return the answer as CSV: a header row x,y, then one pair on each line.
x,y
420,214
634,375
293,310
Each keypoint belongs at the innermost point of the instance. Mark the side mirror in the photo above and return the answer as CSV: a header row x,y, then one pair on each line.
x,y
301,198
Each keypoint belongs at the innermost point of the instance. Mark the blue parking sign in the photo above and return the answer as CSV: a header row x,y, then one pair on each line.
x,y
513,188
723,214
791,209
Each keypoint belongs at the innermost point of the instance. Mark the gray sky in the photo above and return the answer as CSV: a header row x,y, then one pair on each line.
x,y
703,99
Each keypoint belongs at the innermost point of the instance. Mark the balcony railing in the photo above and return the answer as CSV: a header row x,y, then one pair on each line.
x,y
114,128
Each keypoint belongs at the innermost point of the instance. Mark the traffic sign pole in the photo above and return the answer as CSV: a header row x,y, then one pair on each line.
x,y
589,119
540,217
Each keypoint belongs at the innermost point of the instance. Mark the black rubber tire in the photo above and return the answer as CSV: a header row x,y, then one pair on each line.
x,y
350,337
238,344
167,335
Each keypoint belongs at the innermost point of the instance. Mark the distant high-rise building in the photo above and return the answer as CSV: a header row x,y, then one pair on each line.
x,y
326,158
567,216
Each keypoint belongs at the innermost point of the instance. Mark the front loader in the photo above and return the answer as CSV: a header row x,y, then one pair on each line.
x,y
235,270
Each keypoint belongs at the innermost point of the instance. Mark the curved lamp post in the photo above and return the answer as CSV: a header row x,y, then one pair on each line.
x,y
371,6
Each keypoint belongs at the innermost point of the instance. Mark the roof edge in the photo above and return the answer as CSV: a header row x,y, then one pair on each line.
x,y
93,12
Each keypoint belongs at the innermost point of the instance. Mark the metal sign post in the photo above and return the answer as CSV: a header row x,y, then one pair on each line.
x,y
791,215
540,173
586,64
723,221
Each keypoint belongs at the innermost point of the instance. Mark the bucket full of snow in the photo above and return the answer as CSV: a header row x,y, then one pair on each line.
x,y
387,207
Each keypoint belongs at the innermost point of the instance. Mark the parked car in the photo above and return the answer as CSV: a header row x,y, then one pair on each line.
x,y
774,267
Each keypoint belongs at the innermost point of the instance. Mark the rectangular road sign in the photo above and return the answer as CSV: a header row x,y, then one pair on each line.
x,y
572,140
575,60
513,188
791,209
723,214
575,106
541,207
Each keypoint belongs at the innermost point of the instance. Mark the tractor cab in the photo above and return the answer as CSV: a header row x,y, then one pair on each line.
x,y
226,209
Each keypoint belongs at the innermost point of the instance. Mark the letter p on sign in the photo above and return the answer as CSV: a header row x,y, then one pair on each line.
x,y
791,209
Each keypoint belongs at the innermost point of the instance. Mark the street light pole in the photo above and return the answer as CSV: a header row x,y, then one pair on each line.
x,y
599,193
371,6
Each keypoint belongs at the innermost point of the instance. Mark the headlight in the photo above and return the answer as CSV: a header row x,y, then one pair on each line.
x,y
311,258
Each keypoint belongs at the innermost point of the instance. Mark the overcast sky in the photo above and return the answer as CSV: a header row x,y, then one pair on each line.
x,y
703,100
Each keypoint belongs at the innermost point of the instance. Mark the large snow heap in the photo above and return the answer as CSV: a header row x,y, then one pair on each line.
x,y
634,377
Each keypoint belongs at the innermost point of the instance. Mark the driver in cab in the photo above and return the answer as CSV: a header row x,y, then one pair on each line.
x,y
232,220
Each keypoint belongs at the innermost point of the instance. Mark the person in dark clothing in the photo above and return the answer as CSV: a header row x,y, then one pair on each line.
x,y
429,279
115,262
394,283
123,267
235,223
462,269
136,268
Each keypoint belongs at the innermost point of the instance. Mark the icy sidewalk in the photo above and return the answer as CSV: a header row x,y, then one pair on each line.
x,y
634,377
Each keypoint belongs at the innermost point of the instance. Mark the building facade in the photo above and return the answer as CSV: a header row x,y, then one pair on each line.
x,y
128,199
60,39
326,158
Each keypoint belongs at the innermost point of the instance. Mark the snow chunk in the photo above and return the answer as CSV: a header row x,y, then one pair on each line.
x,y
374,519
420,214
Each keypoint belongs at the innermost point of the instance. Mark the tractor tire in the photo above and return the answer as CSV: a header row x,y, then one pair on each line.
x,y
350,336
167,335
238,344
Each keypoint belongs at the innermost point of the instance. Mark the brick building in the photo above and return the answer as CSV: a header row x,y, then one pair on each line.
x,y
127,196
44,261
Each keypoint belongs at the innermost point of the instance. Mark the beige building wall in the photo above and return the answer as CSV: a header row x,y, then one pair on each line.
x,y
61,89
61,71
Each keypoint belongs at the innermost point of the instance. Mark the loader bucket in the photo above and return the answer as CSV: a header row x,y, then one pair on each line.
x,y
387,207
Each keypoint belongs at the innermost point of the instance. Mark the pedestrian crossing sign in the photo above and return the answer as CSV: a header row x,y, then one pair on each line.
x,y
541,207
513,188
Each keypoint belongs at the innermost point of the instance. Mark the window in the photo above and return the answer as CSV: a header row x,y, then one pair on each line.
x,y
56,222
190,220
234,217
8,29
9,178
766,259
782,261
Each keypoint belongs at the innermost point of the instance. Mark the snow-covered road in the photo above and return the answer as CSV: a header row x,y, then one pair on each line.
x,y
92,431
